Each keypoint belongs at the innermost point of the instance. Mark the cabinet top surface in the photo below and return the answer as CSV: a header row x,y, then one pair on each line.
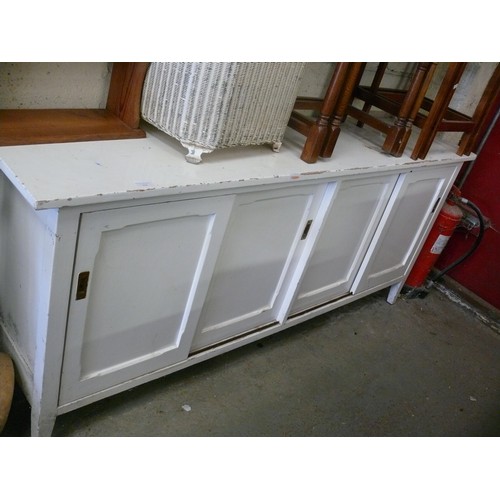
x,y
82,173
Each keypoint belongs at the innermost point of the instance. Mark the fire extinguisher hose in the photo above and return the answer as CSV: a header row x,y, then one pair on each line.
x,y
471,250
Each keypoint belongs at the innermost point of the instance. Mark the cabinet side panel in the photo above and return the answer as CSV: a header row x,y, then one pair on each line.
x,y
27,242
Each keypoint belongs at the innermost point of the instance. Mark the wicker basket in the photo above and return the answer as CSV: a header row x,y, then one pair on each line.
x,y
210,105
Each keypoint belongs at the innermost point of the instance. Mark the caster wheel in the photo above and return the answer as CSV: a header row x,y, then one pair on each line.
x,y
6,387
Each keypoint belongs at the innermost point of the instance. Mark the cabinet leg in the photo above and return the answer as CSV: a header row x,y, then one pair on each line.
x,y
42,425
394,292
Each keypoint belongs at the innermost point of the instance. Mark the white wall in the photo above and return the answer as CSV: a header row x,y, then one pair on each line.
x,y
54,85
316,77
85,85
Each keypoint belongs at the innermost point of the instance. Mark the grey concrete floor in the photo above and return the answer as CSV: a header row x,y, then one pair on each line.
x,y
421,367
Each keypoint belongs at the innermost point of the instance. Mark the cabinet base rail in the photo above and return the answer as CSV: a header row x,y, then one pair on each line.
x,y
233,338
323,304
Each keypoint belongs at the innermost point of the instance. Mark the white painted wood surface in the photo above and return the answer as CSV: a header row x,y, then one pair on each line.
x,y
150,267
182,257
347,231
259,255
76,174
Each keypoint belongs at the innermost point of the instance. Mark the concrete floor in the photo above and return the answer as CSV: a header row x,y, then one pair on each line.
x,y
421,367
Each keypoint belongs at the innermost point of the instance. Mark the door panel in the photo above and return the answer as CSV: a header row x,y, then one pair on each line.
x,y
149,267
414,200
346,233
258,259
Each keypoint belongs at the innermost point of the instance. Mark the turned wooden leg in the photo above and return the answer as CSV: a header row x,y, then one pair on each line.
x,y
340,112
397,138
400,131
438,110
314,141
318,131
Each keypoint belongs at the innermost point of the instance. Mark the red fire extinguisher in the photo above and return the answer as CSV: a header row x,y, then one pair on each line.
x,y
446,222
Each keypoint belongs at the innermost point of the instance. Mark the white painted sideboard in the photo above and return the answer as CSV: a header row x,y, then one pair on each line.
x,y
121,263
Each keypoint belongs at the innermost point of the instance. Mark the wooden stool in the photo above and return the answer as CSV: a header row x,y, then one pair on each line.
x,y
339,92
441,118
404,105
322,133
431,115
409,107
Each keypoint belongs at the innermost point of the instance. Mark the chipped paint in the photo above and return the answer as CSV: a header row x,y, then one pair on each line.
x,y
48,176
316,172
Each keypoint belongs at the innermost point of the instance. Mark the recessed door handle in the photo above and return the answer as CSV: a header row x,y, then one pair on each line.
x,y
83,283
306,229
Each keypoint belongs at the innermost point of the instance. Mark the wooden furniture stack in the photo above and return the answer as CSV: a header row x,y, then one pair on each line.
x,y
409,107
